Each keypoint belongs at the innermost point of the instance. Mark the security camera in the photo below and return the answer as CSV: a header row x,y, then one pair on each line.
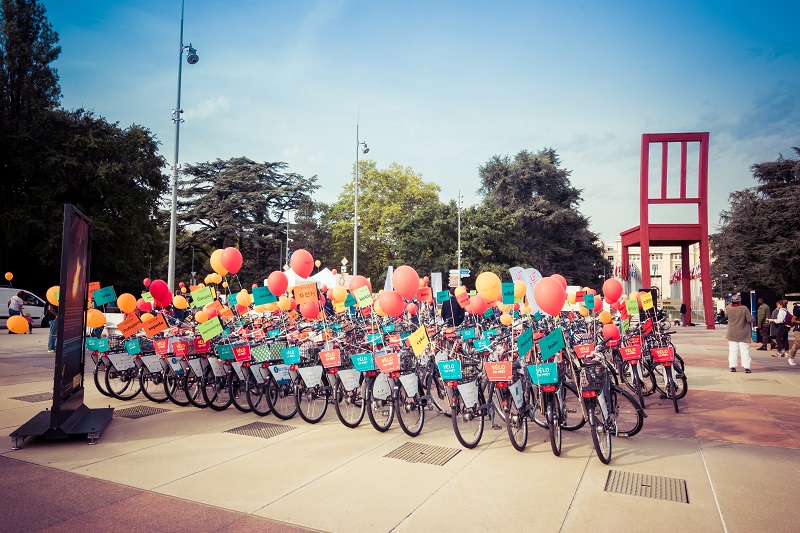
x,y
366,150
191,56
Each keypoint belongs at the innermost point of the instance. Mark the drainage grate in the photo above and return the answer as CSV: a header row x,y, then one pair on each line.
x,y
33,398
139,411
261,429
423,453
657,487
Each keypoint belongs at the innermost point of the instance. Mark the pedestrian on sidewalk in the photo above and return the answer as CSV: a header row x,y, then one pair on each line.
x,y
683,314
782,326
739,333
796,327
52,315
762,320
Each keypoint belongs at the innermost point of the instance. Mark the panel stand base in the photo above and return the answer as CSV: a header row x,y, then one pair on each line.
x,y
84,421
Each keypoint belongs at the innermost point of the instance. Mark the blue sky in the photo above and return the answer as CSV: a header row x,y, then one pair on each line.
x,y
442,86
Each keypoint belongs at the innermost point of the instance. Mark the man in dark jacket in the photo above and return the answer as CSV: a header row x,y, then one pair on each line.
x,y
762,322
452,313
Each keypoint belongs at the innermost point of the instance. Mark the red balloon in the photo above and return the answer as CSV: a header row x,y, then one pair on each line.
x,y
143,305
160,292
329,294
211,312
255,285
425,281
231,259
302,263
334,271
612,289
323,288
405,281
292,304
146,282
241,309
610,331
309,310
478,304
181,284
412,309
391,303
561,280
549,295
277,283
361,281
598,304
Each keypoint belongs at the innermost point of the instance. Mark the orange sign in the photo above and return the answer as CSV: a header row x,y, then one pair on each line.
x,y
498,371
226,313
161,346
584,350
293,315
330,358
631,353
388,363
155,326
425,295
216,305
463,299
305,293
129,326
647,326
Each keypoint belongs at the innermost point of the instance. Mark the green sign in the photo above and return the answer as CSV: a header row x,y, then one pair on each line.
x,y
273,333
210,329
537,316
91,343
104,296
544,374
225,352
626,324
552,343
468,334
489,313
363,296
588,299
508,293
525,342
262,296
632,307
350,301
442,296
147,297
201,297
132,346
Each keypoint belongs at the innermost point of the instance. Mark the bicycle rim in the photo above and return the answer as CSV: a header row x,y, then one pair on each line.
x,y
628,418
555,428
152,386
238,392
601,436
312,402
174,389
122,385
468,423
281,399
98,379
410,413
572,409
215,390
192,387
380,412
349,405
256,396
438,395
517,427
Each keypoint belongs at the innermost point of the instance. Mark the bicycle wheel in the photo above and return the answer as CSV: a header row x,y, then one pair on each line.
x,y
572,411
380,411
410,412
468,422
671,392
660,377
648,379
497,403
349,405
122,385
237,391
312,402
152,386
256,396
98,380
215,390
280,398
175,389
517,426
536,408
601,436
627,415
554,425
437,391
193,388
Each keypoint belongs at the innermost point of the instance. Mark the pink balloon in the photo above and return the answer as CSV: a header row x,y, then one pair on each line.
x,y
610,331
405,281
309,310
560,279
550,295
478,304
160,292
211,312
361,281
181,284
277,283
334,271
612,289
231,259
391,303
143,305
302,263
146,282
412,309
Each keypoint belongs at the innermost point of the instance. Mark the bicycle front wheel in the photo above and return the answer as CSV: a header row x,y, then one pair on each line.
x,y
468,422
572,417
349,405
628,417
280,398
193,388
380,411
238,392
215,390
410,412
437,391
312,402
601,436
256,396
152,386
517,427
554,426
99,380
124,384
175,390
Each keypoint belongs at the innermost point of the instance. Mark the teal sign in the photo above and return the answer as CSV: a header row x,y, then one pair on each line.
x,y
388,328
132,346
508,293
537,315
481,345
552,343
91,343
350,301
102,345
588,299
468,334
544,374
442,296
375,339
104,296
291,356
225,352
489,313
262,296
450,370
525,342
273,333
362,362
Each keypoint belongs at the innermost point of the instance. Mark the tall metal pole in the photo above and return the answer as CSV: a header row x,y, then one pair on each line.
x,y
287,237
355,214
459,237
173,219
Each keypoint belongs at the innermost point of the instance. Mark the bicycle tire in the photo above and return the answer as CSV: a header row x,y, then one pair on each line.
x,y
497,403
122,385
152,386
672,394
601,437
237,390
517,427
280,398
175,390
680,381
256,395
97,380
437,392
350,406
629,418
410,412
380,412
554,426
572,412
312,402
215,390
193,388
536,410
468,423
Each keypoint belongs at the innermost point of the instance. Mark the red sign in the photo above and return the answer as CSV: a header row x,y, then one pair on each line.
x,y
425,294
330,358
129,326
663,355
584,350
631,353
498,371
636,340
161,346
155,325
388,363
647,326
180,348
241,353
200,346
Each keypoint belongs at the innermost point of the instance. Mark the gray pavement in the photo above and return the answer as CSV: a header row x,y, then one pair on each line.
x,y
735,444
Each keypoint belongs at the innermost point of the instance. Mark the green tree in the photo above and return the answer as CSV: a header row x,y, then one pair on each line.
x,y
240,203
309,231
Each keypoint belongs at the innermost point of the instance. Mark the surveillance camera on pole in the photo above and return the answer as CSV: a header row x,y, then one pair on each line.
x,y
191,55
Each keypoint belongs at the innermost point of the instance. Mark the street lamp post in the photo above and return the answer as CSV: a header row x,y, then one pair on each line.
x,y
458,252
360,147
191,58
287,238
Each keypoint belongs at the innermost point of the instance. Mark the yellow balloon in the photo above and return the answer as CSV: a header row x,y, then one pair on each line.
x,y
519,289
339,294
377,307
489,286
216,278
527,309
126,302
317,263
243,298
506,319
9,277
17,324
183,290
224,284
605,317
146,317
272,307
200,317
95,319
180,302
260,308
504,307
571,298
284,303
460,290
216,263
53,293
583,311
633,296
207,279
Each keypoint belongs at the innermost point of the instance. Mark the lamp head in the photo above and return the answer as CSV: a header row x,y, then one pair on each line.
x,y
191,56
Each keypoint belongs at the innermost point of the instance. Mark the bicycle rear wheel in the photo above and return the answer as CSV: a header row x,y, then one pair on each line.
x,y
554,425
237,391
628,417
193,388
312,402
280,398
98,380
601,436
215,390
175,389
660,376
410,412
349,405
124,384
517,426
256,395
380,411
437,391
152,386
468,422
572,411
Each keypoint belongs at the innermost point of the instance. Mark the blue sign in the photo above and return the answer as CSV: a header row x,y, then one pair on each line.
x,y
481,345
362,362
132,346
544,374
225,352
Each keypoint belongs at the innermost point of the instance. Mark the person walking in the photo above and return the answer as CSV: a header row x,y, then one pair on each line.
x,y
796,326
683,314
738,333
15,305
782,326
52,315
762,321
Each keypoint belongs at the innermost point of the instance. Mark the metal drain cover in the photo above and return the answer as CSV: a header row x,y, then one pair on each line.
x,y
262,430
33,398
656,487
423,453
139,411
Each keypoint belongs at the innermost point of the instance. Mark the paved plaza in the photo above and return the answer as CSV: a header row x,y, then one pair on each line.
x,y
735,444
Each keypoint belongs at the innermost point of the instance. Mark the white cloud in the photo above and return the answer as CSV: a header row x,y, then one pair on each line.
x,y
207,108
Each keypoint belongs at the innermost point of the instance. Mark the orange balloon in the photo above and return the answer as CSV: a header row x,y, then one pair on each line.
x,y
200,317
519,289
489,286
583,311
604,317
506,319
338,294
126,303
147,316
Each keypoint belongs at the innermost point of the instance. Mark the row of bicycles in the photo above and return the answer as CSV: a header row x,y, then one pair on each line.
x,y
557,373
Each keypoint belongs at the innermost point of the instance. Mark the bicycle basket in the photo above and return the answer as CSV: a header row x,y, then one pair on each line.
x,y
309,351
596,375
408,361
116,343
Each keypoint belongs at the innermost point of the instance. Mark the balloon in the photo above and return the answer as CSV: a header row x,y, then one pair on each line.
x,y
361,281
216,278
200,317
425,281
549,295
338,294
126,302
231,259
598,304
207,279
604,317
334,271
272,307
9,277
527,309
506,319
216,262
583,311
612,289
241,309
412,309
260,308
302,263
143,305
146,317
160,292
378,309
183,290
181,285
224,284
391,303
571,298
405,281
17,324
179,302
489,286
519,289
243,298
292,304
323,288
53,294
255,286
309,310
277,283
211,313
478,304
610,331
460,290
561,280
284,303
317,263
633,296
146,282
468,309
